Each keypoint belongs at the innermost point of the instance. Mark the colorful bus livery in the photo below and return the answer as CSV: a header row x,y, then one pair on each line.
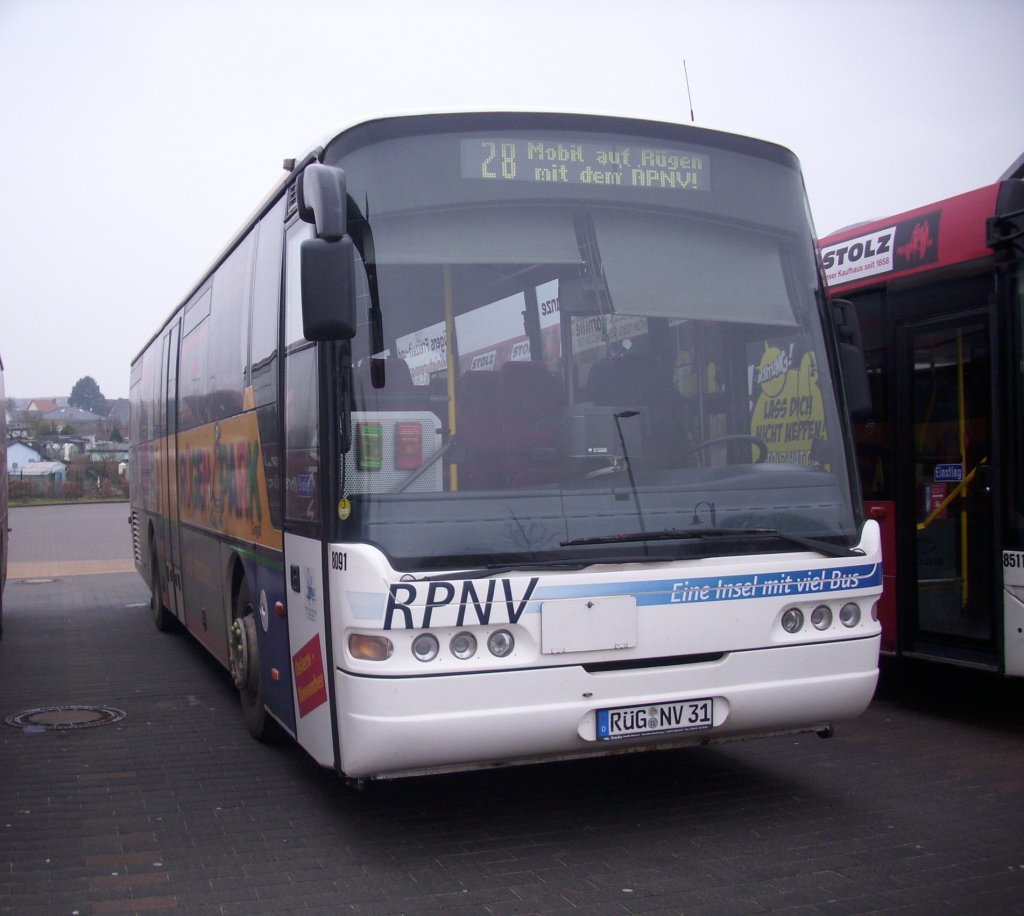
x,y
412,605
454,464
938,295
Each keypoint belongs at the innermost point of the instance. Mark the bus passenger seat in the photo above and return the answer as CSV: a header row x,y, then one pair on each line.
x,y
635,382
531,407
625,381
477,427
398,394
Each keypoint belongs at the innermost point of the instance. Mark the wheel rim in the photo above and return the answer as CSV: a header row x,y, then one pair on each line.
x,y
239,672
244,663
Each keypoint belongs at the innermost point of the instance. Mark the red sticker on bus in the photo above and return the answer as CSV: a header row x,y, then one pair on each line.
x,y
310,684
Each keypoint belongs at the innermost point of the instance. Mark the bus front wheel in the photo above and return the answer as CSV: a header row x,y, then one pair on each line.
x,y
245,666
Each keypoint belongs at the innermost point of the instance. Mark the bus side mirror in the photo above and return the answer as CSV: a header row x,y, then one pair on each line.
x,y
852,362
855,381
328,272
847,325
327,262
322,200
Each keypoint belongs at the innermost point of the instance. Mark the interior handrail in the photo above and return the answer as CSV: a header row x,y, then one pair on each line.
x,y
953,494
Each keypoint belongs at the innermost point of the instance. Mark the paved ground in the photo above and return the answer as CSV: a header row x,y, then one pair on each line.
x,y
72,540
916,807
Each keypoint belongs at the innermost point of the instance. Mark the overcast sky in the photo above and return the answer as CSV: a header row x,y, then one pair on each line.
x,y
135,137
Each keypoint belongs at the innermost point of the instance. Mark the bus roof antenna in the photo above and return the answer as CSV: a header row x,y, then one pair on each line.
x,y
689,97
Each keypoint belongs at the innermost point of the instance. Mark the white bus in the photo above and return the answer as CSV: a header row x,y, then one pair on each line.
x,y
498,438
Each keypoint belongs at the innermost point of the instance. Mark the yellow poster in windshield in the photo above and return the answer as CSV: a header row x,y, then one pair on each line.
x,y
789,414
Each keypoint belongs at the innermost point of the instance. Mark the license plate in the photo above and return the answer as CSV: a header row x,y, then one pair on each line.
x,y
655,719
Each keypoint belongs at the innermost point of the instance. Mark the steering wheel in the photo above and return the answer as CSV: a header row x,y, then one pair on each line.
x,y
756,441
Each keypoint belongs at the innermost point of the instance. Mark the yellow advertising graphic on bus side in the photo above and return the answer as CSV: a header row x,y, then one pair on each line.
x,y
222,485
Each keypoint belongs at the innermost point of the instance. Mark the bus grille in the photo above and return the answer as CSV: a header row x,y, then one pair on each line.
x,y
136,540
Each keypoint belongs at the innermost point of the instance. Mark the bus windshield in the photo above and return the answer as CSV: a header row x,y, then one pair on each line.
x,y
574,346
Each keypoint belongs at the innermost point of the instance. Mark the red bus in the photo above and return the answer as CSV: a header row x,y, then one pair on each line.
x,y
939,297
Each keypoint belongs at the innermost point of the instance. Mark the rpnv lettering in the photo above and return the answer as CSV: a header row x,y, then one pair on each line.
x,y
417,605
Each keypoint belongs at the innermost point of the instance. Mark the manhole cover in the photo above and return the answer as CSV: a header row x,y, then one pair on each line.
x,y
61,718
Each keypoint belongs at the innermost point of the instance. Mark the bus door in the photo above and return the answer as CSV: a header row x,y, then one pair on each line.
x,y
175,600
307,607
947,516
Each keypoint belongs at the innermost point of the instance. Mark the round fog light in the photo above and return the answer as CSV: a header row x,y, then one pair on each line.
x,y
792,620
500,643
821,617
463,645
849,615
425,647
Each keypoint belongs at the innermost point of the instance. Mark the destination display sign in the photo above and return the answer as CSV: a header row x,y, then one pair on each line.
x,y
611,164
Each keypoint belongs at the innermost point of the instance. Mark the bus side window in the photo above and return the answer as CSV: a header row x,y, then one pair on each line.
x,y
302,453
229,333
301,446
192,371
265,332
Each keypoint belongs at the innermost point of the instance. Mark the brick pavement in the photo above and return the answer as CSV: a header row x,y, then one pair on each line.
x,y
916,807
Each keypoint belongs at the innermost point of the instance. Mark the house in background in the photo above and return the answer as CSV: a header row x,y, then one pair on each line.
x,y
32,417
20,454
117,417
41,405
47,438
25,464
83,422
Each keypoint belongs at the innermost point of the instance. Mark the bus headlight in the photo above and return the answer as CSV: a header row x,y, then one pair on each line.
x,y
501,643
425,647
370,648
849,615
792,620
821,617
463,645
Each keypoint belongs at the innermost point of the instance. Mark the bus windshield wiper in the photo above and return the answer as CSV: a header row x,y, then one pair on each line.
x,y
671,534
499,569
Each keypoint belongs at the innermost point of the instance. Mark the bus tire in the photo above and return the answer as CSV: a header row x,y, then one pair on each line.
x,y
244,651
161,615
